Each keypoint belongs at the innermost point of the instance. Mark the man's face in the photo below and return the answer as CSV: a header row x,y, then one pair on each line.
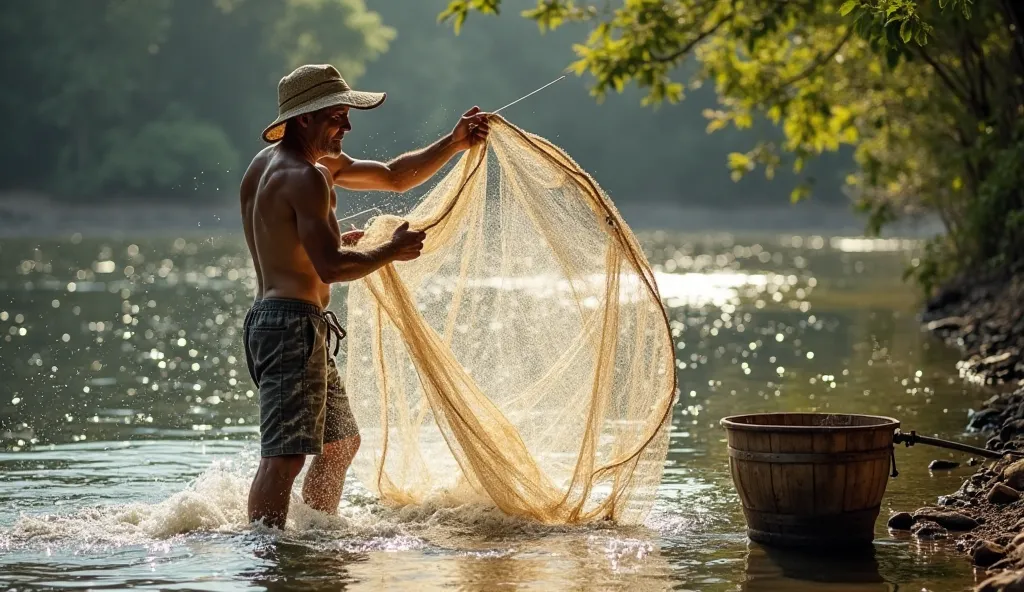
x,y
328,127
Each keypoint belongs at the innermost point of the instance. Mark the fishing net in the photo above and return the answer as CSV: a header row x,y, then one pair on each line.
x,y
525,358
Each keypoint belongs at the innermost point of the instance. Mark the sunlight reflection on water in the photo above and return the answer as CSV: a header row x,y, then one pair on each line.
x,y
129,422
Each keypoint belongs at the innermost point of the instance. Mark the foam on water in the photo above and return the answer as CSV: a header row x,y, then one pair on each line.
x,y
216,503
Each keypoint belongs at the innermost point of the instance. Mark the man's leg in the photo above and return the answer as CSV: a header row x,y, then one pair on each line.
x,y
272,487
283,365
325,480
326,477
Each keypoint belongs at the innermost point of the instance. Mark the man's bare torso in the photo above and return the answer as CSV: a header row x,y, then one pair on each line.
x,y
283,269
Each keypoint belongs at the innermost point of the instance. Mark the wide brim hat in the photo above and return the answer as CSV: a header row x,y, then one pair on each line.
x,y
313,87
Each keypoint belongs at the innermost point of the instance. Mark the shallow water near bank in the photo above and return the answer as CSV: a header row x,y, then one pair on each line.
x,y
129,425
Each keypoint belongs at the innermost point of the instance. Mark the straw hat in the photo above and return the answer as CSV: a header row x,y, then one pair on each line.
x,y
312,87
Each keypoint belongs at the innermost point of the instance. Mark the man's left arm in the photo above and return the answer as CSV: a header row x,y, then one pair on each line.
x,y
412,168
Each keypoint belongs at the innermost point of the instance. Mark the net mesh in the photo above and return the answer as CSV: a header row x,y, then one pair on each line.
x,y
525,358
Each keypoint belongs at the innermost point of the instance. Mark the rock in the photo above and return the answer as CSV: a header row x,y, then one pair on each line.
x,y
1019,526
1013,475
993,443
1004,563
1009,581
985,418
946,323
994,401
928,530
985,553
972,461
1010,429
946,519
901,521
1001,494
1017,541
942,465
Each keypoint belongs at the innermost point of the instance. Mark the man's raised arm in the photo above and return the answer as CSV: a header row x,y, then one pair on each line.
x,y
309,195
412,168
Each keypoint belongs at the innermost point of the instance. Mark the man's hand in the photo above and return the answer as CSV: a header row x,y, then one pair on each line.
x,y
351,237
406,244
472,129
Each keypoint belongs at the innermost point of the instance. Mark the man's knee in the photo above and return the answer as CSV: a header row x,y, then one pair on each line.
x,y
285,467
343,450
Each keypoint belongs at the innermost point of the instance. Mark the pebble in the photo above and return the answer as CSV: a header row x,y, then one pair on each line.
x,y
942,465
985,553
901,521
972,461
1001,494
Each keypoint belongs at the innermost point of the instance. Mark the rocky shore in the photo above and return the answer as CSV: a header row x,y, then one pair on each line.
x,y
984,317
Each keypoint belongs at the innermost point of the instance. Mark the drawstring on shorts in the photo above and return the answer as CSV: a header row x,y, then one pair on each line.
x,y
333,328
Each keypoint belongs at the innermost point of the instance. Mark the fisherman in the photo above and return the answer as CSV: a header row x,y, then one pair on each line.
x,y
292,232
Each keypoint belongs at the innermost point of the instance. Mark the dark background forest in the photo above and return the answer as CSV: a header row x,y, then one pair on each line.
x,y
164,100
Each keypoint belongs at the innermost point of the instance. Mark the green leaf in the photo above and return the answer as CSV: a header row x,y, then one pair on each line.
x,y
800,193
847,7
905,32
892,57
740,161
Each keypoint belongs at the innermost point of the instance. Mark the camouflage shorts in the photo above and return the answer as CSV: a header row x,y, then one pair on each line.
x,y
303,404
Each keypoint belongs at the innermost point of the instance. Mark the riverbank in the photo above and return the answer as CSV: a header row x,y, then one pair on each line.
x,y
982,315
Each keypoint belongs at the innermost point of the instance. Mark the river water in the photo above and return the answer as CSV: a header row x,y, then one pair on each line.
x,y
128,425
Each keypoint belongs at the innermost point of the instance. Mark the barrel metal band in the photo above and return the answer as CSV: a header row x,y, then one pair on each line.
x,y
814,522
809,458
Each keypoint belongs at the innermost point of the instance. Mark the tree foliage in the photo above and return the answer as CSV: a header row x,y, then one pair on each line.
x,y
929,95
156,97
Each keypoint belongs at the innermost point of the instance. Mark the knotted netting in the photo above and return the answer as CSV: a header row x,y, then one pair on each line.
x,y
525,357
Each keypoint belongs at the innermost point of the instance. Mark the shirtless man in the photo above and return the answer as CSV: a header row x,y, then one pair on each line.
x,y
298,249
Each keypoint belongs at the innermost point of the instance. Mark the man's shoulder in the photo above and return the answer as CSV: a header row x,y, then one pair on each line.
x,y
285,178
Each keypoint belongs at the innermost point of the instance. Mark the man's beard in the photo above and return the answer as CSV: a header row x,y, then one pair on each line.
x,y
332,148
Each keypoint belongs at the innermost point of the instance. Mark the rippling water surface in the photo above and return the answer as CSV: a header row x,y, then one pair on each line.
x,y
129,425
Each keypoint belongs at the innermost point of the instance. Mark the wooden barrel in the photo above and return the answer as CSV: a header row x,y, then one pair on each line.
x,y
810,479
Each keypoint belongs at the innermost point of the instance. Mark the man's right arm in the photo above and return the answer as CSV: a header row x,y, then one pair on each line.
x,y
309,195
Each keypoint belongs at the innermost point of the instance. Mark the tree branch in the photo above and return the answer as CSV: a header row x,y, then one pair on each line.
x,y
689,46
818,61
946,78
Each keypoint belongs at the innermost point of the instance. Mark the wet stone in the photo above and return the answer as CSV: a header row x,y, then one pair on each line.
x,y
946,519
929,530
1001,494
985,553
901,521
1010,429
972,461
994,443
985,418
942,465
1013,475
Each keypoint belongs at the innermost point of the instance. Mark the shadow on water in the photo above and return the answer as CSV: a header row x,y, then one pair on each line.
x,y
773,569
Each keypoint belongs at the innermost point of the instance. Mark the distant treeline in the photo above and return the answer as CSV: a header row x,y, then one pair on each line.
x,y
166,98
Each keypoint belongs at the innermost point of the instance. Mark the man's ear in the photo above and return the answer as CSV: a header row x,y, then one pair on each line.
x,y
304,119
